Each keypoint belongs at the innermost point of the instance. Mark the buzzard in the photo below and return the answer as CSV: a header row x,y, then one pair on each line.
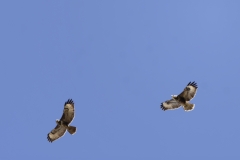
x,y
182,99
63,123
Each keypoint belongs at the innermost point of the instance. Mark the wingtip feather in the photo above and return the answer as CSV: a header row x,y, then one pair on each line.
x,y
49,139
162,107
69,101
194,84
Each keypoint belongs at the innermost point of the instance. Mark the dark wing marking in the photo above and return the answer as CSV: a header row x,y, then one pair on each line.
x,y
56,133
189,91
68,112
170,104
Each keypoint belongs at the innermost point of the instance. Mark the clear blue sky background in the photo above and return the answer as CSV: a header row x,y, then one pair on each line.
x,y
118,60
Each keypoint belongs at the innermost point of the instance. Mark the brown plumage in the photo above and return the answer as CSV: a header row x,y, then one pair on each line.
x,y
182,99
63,123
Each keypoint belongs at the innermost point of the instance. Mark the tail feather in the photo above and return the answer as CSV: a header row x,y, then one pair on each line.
x,y
72,129
188,106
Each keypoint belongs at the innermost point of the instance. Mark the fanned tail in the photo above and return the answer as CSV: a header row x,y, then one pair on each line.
x,y
188,106
72,129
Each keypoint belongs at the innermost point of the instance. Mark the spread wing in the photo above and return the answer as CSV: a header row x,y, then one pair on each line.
x,y
56,133
68,112
189,91
170,104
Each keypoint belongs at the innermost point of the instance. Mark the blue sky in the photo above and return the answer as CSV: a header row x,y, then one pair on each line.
x,y
118,60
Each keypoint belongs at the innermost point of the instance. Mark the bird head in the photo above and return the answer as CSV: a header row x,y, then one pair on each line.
x,y
57,121
174,96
